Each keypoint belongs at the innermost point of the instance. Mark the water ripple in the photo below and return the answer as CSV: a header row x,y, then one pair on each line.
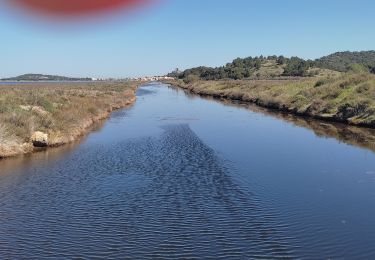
x,y
170,197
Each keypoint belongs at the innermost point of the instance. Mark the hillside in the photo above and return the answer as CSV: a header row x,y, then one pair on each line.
x,y
280,67
41,77
341,61
271,67
338,87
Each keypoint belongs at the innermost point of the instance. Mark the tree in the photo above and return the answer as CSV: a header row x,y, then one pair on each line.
x,y
191,78
281,60
258,64
296,67
357,68
341,61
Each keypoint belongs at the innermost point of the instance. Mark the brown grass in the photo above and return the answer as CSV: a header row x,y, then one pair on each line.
x,y
63,111
348,98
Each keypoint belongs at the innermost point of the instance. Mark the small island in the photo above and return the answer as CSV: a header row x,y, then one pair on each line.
x,y
42,77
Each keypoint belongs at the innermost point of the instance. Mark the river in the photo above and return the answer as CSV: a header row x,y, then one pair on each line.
x,y
178,176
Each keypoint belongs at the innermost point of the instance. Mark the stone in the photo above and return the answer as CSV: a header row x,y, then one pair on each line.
x,y
26,108
39,139
36,109
39,111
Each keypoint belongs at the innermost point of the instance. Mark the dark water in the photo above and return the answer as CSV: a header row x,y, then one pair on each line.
x,y
181,177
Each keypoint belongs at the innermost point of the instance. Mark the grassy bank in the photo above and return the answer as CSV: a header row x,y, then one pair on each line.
x,y
54,114
348,98
363,137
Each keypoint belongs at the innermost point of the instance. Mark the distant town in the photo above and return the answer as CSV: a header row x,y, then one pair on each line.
x,y
155,78
42,77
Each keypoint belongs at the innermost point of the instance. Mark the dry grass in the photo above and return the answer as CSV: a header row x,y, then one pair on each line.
x,y
348,98
63,111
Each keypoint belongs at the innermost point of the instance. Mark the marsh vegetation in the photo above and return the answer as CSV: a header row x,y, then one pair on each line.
x,y
62,111
348,97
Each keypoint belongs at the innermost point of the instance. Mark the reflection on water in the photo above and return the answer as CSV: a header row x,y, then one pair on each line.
x,y
144,204
181,177
361,137
45,154
349,134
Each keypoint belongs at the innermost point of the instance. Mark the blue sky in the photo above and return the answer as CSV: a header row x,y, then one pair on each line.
x,y
183,34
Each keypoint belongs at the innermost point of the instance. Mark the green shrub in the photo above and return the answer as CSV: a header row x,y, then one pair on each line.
x,y
46,104
319,83
191,78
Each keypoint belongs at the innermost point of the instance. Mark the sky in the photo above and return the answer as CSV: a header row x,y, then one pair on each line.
x,y
171,34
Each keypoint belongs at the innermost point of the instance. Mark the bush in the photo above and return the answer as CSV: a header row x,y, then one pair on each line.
x,y
296,67
47,105
191,79
319,83
352,109
358,68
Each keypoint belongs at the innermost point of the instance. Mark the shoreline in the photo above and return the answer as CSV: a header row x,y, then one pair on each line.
x,y
271,104
77,133
9,149
363,137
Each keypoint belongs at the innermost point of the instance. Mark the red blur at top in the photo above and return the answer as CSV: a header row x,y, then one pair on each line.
x,y
61,8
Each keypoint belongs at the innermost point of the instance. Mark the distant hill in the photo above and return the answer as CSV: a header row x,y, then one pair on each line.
x,y
341,61
273,67
41,77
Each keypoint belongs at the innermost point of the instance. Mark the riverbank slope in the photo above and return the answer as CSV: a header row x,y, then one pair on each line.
x,y
48,115
348,98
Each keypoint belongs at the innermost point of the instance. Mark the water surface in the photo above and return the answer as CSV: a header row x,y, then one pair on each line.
x,y
178,176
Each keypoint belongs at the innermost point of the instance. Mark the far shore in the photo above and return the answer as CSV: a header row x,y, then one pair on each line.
x,y
348,98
